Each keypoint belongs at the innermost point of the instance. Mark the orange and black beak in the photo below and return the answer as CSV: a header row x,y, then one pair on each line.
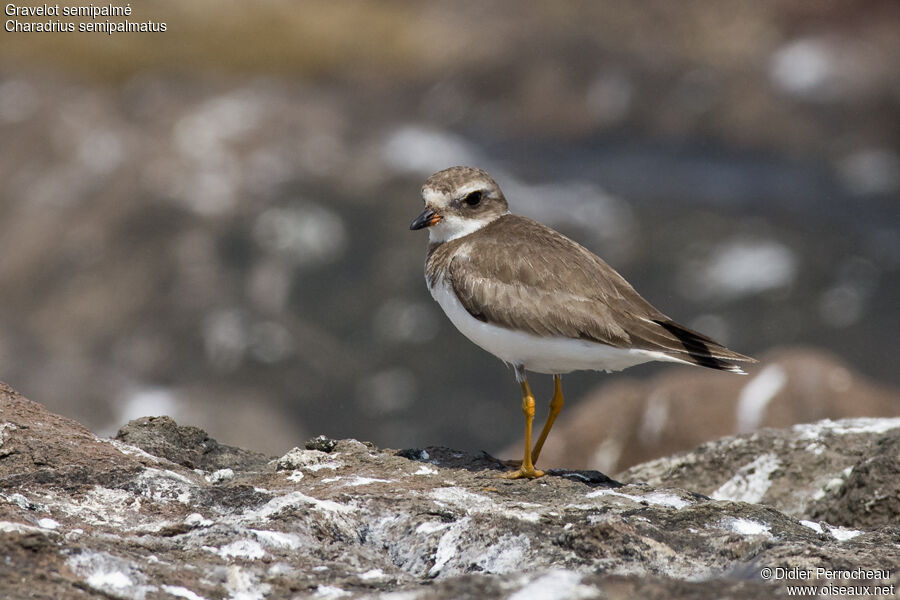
x,y
426,219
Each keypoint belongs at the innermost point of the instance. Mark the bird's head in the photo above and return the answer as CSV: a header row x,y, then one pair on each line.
x,y
459,201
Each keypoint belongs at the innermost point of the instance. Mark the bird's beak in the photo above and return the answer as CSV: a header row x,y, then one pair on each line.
x,y
426,219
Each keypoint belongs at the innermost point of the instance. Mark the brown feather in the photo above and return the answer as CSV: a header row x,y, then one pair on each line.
x,y
520,274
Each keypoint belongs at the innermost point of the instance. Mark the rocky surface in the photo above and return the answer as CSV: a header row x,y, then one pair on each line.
x,y
628,420
844,472
163,511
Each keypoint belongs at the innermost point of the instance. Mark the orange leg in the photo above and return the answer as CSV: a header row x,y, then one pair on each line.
x,y
556,405
527,469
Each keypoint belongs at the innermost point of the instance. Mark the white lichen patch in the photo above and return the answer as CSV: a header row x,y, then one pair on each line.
x,y
121,509
129,450
358,480
429,527
23,502
555,584
101,506
276,505
846,427
464,545
278,539
833,484
505,555
812,525
197,520
12,527
282,569
664,499
464,499
152,527
653,498
162,485
751,482
328,592
244,548
245,585
4,429
114,580
329,465
601,518
473,503
448,546
373,575
842,534
426,470
816,448
220,476
309,460
110,574
181,592
745,526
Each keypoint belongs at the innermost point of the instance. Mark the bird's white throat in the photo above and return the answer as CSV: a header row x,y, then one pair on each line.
x,y
452,227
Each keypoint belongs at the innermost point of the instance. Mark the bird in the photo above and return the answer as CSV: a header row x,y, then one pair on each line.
x,y
540,301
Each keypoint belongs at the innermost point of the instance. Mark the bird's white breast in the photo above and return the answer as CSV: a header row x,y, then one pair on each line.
x,y
536,353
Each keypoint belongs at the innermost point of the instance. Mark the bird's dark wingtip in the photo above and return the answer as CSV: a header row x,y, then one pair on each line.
x,y
704,351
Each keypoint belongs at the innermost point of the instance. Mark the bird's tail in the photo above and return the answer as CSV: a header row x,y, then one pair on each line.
x,y
696,348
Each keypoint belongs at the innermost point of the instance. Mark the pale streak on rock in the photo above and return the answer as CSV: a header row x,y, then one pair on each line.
x,y
751,482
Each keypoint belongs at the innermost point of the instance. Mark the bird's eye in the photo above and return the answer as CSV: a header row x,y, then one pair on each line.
x,y
473,199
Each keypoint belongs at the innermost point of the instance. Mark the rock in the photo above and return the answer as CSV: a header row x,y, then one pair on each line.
x,y
82,516
844,472
45,448
188,446
321,443
870,495
629,421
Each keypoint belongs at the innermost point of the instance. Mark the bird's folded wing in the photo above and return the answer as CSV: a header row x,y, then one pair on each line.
x,y
561,302
567,292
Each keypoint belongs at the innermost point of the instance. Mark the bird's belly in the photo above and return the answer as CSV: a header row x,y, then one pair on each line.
x,y
537,353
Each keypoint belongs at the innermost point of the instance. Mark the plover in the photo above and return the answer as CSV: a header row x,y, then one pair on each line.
x,y
538,300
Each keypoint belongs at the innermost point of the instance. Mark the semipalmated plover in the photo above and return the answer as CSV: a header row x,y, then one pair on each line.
x,y
538,300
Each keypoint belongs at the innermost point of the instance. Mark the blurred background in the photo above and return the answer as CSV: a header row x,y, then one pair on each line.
x,y
212,222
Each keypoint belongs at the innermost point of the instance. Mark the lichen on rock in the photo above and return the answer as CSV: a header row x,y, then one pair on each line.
x,y
166,511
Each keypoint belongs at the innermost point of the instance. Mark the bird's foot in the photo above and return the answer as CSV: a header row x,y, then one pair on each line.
x,y
523,472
